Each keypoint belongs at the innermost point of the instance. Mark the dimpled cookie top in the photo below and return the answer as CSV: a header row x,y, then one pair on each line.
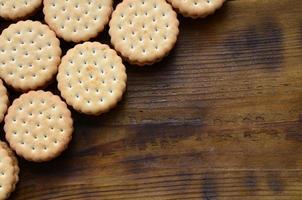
x,y
38,126
143,31
92,78
3,100
29,55
77,20
196,8
16,9
9,171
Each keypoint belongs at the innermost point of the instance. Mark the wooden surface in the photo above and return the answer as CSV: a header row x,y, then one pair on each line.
x,y
220,118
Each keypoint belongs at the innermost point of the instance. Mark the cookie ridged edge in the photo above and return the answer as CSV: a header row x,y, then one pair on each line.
x,y
192,14
53,26
23,15
126,56
67,114
4,96
14,164
69,101
50,76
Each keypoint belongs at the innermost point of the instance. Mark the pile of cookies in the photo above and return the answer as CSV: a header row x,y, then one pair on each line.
x,y
91,76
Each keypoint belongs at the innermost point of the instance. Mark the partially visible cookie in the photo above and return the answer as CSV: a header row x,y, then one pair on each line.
x,y
9,171
92,78
18,9
143,31
29,55
75,20
3,100
196,8
38,126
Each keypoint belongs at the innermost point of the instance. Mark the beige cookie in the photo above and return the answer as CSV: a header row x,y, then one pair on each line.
x,y
196,8
3,101
143,31
38,126
9,171
29,55
92,78
77,20
18,9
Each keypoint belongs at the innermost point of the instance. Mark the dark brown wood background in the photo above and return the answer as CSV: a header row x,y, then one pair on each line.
x,y
219,118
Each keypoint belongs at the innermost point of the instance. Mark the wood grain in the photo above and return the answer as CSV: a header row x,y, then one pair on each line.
x,y
220,118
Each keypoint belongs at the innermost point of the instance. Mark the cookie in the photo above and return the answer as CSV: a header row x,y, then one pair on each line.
x,y
92,78
3,101
75,20
14,10
29,55
143,31
9,171
196,8
38,126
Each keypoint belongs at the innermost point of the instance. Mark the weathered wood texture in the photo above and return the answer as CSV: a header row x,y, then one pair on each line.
x,y
220,118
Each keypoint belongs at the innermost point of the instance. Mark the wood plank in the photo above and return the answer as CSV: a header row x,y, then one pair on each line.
x,y
219,118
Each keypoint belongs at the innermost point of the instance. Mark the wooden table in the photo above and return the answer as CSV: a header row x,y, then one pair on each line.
x,y
219,118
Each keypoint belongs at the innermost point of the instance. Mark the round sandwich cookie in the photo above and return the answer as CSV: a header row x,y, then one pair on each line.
x,y
9,171
75,20
18,9
29,55
196,8
92,78
143,31
38,126
3,101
